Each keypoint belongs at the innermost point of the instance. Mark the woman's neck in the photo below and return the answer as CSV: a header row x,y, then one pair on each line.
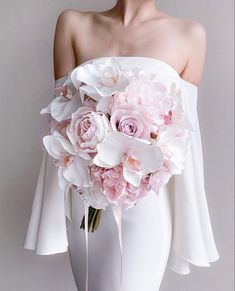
x,y
132,11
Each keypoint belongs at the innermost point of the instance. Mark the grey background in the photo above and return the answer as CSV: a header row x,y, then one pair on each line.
x,y
26,83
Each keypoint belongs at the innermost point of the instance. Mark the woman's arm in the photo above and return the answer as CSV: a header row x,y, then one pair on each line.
x,y
196,40
64,60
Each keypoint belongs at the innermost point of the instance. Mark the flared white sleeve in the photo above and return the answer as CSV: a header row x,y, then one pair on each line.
x,y
46,233
193,240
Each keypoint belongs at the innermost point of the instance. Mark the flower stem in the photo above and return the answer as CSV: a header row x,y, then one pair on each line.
x,y
97,219
93,219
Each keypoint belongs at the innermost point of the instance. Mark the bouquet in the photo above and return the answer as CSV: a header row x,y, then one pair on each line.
x,y
115,134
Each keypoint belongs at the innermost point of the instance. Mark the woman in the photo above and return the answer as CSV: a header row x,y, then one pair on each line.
x,y
172,228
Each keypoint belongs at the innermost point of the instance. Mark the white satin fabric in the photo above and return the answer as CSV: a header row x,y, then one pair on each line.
x,y
192,238
146,240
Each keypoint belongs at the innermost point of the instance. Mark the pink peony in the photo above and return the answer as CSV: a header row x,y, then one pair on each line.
x,y
112,184
96,172
149,99
141,92
134,194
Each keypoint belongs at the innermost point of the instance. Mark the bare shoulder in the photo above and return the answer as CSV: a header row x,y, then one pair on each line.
x,y
64,59
190,29
74,22
194,31
193,35
68,17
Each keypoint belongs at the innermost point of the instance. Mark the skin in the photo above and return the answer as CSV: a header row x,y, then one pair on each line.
x,y
130,28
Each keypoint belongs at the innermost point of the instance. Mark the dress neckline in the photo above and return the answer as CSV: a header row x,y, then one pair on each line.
x,y
135,57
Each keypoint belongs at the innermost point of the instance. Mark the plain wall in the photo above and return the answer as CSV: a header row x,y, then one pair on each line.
x,y
26,84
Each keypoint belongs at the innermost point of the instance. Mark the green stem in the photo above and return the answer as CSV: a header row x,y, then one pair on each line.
x,y
97,220
91,216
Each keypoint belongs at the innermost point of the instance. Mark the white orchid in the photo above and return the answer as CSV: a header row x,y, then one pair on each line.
x,y
101,79
62,106
72,169
139,157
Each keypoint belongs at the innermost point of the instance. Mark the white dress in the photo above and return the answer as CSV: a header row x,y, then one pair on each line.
x,y
172,229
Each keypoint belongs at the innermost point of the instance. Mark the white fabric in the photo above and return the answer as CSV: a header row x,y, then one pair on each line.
x,y
192,240
146,234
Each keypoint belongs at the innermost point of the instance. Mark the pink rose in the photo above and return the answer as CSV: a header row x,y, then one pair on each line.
x,y
131,123
87,129
151,99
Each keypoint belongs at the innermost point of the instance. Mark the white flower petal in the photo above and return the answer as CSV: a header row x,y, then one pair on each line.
x,y
106,78
66,144
105,91
131,177
46,109
151,156
62,108
63,183
113,62
88,74
89,91
53,146
94,197
100,163
72,81
110,151
77,173
103,104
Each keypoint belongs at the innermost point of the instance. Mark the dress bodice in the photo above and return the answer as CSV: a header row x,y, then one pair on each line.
x,y
150,65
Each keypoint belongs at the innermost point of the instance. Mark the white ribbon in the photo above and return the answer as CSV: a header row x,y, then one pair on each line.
x,y
117,212
67,204
86,206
